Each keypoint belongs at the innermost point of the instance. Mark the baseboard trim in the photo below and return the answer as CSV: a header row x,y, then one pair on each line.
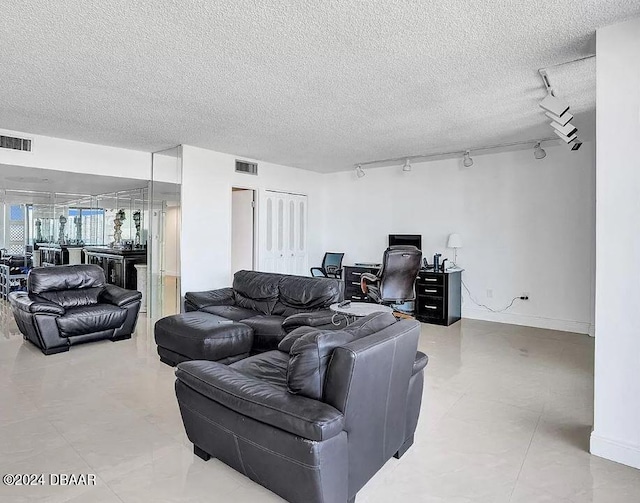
x,y
613,450
578,327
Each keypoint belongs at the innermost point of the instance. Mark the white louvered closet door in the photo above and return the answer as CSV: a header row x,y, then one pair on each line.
x,y
283,233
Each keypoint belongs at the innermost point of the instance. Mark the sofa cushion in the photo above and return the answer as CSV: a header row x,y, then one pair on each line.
x,y
234,313
257,291
270,366
73,298
267,331
286,343
298,294
309,358
370,324
311,351
65,277
88,319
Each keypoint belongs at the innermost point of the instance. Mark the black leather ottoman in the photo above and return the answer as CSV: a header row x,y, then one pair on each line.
x,y
201,336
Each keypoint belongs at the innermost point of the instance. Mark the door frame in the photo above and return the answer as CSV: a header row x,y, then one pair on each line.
x,y
256,230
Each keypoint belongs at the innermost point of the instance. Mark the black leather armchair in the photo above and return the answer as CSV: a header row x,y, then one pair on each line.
x,y
394,283
314,420
331,266
67,305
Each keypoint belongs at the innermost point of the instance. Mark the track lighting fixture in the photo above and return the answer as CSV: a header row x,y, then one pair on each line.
x,y
359,171
407,166
565,138
539,152
558,111
554,105
467,161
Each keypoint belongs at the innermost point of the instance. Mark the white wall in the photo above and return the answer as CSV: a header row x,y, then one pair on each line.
x,y
207,179
527,226
77,157
616,432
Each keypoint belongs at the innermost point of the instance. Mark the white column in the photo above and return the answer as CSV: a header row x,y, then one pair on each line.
x,y
616,432
141,279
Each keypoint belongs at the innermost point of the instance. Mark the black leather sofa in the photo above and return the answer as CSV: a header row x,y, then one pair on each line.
x,y
314,420
72,304
271,304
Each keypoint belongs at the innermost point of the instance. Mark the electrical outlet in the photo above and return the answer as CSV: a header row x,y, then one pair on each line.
x,y
489,294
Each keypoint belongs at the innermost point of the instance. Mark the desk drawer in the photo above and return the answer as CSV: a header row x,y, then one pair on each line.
x,y
430,278
429,290
430,307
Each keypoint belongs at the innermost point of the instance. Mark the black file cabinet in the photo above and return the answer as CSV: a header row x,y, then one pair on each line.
x,y
351,276
439,297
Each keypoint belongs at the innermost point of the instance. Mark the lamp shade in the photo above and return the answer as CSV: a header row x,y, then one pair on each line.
x,y
455,241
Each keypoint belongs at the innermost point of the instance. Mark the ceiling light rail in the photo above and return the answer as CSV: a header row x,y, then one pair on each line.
x,y
452,153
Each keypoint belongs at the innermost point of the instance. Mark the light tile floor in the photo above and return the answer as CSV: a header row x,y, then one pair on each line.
x,y
506,417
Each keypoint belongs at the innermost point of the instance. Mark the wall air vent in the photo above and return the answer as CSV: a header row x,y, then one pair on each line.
x,y
246,167
11,143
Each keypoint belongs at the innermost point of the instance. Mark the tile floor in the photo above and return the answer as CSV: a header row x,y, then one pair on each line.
x,y
506,417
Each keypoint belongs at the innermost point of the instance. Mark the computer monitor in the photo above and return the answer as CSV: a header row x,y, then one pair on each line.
x,y
406,239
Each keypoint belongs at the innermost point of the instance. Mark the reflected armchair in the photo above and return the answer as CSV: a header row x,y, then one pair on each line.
x,y
394,283
331,266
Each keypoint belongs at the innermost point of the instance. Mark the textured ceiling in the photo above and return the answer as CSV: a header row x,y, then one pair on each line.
x,y
317,85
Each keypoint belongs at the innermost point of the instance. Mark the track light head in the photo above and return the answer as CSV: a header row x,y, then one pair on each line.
x,y
407,166
467,161
359,171
576,144
554,105
539,152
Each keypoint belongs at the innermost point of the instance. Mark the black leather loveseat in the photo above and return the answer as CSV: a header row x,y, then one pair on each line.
x,y
271,304
316,418
68,305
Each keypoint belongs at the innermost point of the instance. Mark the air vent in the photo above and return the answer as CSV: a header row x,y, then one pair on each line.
x,y
246,167
11,143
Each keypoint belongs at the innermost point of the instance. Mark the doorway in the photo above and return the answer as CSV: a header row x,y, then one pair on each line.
x,y
243,241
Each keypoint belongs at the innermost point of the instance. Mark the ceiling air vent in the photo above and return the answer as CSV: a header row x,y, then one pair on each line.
x,y
12,143
246,167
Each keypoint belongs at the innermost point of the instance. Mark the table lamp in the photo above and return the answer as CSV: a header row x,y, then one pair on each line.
x,y
455,242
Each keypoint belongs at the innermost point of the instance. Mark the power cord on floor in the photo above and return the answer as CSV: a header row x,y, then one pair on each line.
x,y
484,305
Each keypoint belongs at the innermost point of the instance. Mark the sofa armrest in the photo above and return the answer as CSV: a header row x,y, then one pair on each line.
x,y
419,363
117,296
220,297
262,401
34,304
310,319
367,276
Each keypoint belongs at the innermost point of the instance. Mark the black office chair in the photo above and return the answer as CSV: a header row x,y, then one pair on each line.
x,y
331,266
394,283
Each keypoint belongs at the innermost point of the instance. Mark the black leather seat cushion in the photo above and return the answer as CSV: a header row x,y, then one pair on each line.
x,y
270,367
87,319
299,294
234,313
203,336
257,291
267,331
72,277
